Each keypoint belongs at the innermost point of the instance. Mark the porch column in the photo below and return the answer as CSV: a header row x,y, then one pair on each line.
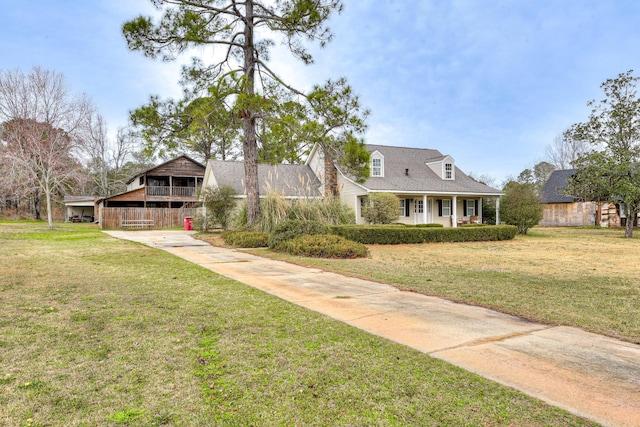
x,y
357,206
424,209
497,210
454,211
479,213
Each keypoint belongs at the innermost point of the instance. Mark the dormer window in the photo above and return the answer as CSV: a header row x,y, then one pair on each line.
x,y
377,164
448,171
443,167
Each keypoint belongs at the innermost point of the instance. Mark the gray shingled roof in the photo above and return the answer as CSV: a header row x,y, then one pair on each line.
x,y
420,177
288,180
555,185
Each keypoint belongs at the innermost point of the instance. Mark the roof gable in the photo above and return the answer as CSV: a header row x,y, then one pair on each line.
x,y
158,168
553,189
408,170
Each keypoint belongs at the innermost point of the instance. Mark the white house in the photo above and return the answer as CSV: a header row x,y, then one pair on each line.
x,y
430,187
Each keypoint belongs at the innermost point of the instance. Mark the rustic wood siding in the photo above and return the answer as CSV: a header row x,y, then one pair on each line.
x,y
568,214
156,217
179,167
132,196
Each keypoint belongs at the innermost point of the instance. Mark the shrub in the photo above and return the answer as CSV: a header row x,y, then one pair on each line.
x,y
520,206
292,228
381,208
219,204
198,222
390,235
246,239
323,246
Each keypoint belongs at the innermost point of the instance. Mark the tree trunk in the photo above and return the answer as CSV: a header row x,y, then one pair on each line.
x,y
249,145
49,209
251,172
36,205
628,229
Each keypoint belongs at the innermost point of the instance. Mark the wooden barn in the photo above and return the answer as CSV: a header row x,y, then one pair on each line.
x,y
562,210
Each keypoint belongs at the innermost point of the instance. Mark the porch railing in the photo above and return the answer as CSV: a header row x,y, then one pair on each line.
x,y
172,191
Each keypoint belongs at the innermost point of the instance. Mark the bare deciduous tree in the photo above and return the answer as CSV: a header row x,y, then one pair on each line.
x,y
36,157
106,157
42,123
565,150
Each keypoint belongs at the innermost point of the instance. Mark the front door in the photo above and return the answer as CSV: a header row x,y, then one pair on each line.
x,y
418,211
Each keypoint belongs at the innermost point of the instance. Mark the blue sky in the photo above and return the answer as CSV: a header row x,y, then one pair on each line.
x,y
489,82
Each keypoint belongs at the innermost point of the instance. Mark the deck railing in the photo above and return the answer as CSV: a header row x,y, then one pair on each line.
x,y
172,191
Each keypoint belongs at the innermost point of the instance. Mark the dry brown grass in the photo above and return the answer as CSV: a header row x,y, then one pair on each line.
x,y
589,278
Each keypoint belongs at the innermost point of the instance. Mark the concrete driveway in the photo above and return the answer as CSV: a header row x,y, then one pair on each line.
x,y
587,374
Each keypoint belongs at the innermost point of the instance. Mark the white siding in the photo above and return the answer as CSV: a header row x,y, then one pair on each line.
x,y
349,193
135,184
316,163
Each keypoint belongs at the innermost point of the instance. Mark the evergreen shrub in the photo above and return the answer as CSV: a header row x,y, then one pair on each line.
x,y
292,228
401,235
246,239
322,246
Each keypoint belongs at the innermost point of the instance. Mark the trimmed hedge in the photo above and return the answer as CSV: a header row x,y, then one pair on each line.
x,y
322,246
399,235
292,228
246,239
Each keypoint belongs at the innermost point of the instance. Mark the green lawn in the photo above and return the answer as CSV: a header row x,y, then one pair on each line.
x,y
99,331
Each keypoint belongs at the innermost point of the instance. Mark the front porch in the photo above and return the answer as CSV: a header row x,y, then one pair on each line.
x,y
450,211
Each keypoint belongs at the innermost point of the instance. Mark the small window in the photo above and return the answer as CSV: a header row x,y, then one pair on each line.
x,y
404,207
363,205
418,206
448,171
141,181
470,207
376,167
446,207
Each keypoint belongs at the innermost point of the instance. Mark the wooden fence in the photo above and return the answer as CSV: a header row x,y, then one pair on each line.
x,y
144,217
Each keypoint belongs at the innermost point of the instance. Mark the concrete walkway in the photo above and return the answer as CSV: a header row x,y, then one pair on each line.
x,y
587,374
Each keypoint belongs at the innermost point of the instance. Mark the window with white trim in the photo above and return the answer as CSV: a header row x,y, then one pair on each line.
x,y
376,167
404,207
418,206
446,207
470,207
448,171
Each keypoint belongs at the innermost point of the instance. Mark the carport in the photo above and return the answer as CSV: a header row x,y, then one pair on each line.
x,y
79,208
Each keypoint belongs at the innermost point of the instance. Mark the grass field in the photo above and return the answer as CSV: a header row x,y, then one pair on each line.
x,y
589,278
97,331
